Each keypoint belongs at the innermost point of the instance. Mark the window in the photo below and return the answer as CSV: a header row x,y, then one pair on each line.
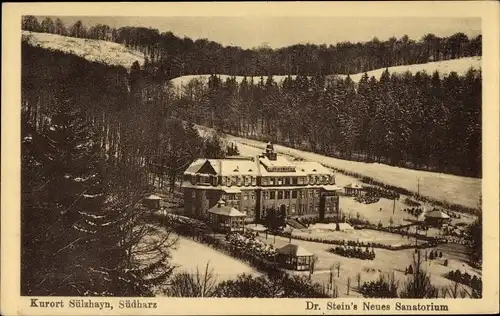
x,y
272,195
287,181
237,196
263,180
246,210
312,180
294,194
316,193
280,195
328,209
265,194
204,179
271,181
193,194
311,193
245,196
295,181
300,180
252,195
287,194
238,181
254,180
280,181
292,209
301,194
316,209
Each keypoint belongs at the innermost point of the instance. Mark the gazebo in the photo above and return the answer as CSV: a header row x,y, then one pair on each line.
x,y
353,189
152,202
436,218
294,257
225,218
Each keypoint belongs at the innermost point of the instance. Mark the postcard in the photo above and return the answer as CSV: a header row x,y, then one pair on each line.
x,y
250,158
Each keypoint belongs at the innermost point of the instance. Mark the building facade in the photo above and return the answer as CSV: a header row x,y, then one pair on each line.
x,y
254,185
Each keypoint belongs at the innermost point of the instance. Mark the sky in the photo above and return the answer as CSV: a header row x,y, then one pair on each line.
x,y
251,31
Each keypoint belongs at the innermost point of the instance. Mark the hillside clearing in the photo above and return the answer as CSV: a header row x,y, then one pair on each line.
x,y
105,52
444,67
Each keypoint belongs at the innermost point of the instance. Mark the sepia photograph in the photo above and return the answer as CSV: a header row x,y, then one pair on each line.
x,y
310,157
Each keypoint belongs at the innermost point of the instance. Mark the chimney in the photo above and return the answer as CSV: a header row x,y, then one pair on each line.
x,y
221,203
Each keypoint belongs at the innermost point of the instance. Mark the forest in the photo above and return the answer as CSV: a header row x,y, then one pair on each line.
x,y
419,121
174,56
92,147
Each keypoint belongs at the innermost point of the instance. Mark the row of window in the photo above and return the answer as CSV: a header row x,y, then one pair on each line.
x,y
272,195
252,180
287,194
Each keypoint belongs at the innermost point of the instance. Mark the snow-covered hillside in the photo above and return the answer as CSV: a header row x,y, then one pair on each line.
x,y
93,50
445,67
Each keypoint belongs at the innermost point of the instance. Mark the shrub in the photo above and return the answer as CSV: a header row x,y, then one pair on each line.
x,y
353,252
381,288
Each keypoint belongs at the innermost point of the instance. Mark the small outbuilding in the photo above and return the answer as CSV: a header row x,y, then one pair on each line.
x,y
226,219
436,218
295,257
354,189
152,202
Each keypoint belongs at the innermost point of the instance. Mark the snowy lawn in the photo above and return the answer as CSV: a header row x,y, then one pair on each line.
x,y
386,262
361,235
191,255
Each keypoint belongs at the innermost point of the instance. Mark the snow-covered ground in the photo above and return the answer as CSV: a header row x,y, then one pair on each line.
x,y
453,189
445,67
385,263
190,255
92,50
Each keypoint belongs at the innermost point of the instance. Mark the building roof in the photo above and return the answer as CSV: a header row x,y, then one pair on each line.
x,y
153,197
354,186
437,214
279,162
222,209
231,190
294,250
248,167
331,187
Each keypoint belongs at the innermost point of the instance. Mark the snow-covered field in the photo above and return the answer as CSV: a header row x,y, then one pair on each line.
x,y
362,235
92,50
190,255
452,189
385,263
445,67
